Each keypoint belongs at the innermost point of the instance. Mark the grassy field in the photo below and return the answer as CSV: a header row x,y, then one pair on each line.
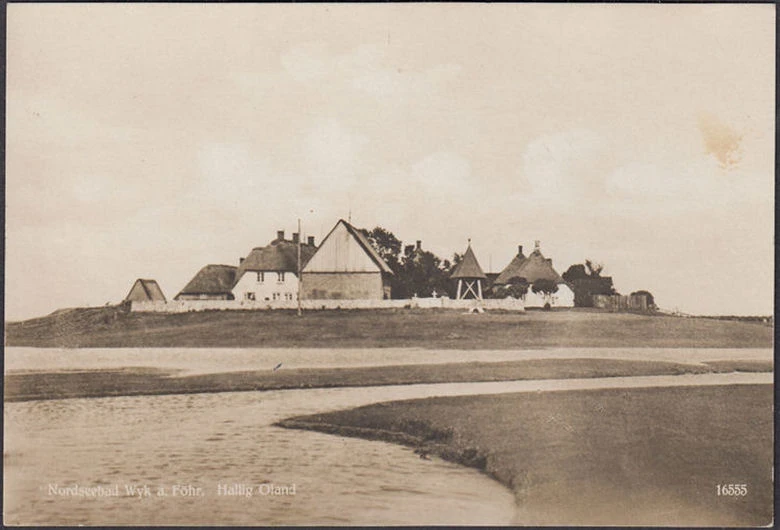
x,y
444,329
148,381
641,456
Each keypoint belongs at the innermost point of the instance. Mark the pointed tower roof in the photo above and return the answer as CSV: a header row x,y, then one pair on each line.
x,y
468,267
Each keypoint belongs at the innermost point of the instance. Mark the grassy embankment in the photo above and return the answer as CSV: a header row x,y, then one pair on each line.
x,y
641,456
148,381
443,329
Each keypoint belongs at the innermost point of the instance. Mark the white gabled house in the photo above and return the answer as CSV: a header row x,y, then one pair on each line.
x,y
270,273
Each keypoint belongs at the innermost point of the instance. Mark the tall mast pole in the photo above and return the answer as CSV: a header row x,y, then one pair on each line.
x,y
300,283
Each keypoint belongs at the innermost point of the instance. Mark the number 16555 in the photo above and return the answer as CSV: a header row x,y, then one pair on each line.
x,y
732,490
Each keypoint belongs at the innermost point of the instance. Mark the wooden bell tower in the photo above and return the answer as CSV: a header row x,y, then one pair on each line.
x,y
470,276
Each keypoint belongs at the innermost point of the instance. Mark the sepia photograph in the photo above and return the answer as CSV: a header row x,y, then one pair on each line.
x,y
389,264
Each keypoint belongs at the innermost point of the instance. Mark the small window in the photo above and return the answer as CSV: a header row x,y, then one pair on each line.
x,y
280,276
249,296
261,277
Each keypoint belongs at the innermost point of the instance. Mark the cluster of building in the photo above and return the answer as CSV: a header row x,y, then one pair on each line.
x,y
345,266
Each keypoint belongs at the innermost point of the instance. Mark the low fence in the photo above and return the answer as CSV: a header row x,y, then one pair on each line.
x,y
185,306
617,302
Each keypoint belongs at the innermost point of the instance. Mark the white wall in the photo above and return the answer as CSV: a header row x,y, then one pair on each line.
x,y
286,290
184,306
563,298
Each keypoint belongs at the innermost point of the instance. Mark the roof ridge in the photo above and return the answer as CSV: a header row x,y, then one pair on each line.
x,y
367,246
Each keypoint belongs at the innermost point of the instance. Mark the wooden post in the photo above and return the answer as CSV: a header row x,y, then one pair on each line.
x,y
300,282
457,296
479,289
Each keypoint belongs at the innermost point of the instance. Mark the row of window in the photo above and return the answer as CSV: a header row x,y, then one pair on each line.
x,y
261,276
276,296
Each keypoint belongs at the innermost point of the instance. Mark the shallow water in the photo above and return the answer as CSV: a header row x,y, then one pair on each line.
x,y
205,440
214,360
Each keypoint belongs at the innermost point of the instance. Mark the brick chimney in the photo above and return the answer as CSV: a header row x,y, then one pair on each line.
x,y
419,245
536,245
519,250
240,261
311,241
295,238
280,235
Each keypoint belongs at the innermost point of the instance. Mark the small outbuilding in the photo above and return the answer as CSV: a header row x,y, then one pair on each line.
x,y
212,282
145,291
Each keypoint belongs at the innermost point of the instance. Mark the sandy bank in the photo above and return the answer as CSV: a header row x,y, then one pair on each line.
x,y
642,456
26,386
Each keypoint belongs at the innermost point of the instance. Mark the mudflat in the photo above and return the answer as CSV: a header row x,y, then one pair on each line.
x,y
639,456
38,385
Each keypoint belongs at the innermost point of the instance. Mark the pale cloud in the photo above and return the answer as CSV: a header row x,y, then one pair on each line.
x,y
307,62
445,174
332,149
230,174
649,181
366,68
400,83
566,167
697,184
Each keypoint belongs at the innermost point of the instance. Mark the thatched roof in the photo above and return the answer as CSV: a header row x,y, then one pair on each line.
x,y
211,279
366,245
511,270
278,256
468,267
534,267
145,290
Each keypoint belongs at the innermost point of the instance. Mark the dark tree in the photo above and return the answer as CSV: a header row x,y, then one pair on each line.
x,y
575,272
417,272
422,273
387,246
547,288
586,280
516,287
594,269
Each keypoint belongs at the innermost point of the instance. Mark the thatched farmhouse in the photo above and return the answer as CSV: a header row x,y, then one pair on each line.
x,y
271,273
345,267
470,277
212,282
532,268
145,291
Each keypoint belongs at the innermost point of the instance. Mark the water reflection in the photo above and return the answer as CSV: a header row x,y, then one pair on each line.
x,y
209,440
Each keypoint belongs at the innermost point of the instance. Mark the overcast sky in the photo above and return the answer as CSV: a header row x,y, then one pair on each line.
x,y
149,140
